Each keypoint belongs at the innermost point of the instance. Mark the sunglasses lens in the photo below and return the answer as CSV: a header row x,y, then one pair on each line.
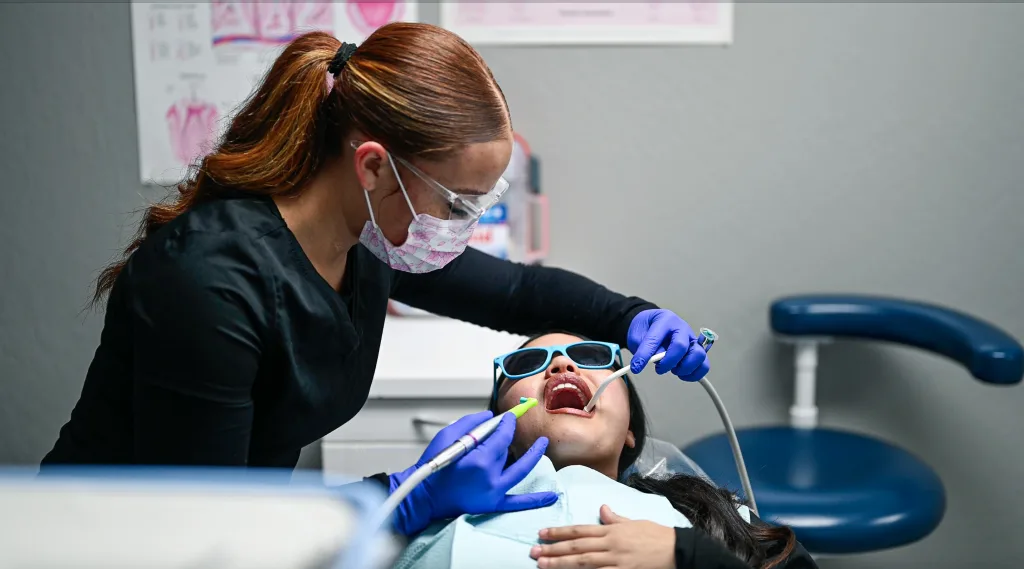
x,y
590,355
524,361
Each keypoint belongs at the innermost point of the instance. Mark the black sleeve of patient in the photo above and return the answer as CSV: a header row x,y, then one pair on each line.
x,y
697,550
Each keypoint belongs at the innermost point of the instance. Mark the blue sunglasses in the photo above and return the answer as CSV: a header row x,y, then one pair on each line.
x,y
525,362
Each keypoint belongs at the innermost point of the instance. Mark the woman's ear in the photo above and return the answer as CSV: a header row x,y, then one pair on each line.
x,y
371,164
630,439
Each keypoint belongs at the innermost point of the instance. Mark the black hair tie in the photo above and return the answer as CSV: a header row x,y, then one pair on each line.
x,y
341,58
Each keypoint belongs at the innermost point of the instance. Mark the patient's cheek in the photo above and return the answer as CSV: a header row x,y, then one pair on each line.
x,y
528,430
522,388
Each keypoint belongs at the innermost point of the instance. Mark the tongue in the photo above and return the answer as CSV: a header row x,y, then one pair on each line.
x,y
566,398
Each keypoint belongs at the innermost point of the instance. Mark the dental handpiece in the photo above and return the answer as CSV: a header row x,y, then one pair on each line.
x,y
453,452
470,440
706,340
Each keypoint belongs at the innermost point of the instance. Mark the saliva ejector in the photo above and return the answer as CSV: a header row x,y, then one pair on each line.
x,y
706,340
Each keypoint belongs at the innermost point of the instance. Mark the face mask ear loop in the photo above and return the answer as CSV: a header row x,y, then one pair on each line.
x,y
373,220
402,186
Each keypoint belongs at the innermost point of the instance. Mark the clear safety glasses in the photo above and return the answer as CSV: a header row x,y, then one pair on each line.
x,y
461,207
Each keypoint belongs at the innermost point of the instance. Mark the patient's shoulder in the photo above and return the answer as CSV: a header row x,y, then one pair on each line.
x,y
586,490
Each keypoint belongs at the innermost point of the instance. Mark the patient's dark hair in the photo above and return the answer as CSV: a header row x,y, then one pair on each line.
x,y
711,509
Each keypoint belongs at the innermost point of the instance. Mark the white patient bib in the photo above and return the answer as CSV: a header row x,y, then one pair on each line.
x,y
504,540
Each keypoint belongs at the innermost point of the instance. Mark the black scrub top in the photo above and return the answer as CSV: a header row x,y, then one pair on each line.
x,y
222,345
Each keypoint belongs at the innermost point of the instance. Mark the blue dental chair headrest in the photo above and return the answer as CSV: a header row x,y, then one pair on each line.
x,y
990,354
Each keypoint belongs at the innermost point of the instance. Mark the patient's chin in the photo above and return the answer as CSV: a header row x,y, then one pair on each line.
x,y
568,450
571,440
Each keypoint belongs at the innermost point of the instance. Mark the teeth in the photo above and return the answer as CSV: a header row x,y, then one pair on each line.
x,y
565,386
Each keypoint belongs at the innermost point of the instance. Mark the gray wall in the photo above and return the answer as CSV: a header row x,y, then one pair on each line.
x,y
834,147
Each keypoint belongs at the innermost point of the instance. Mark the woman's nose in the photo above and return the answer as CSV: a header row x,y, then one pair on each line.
x,y
561,364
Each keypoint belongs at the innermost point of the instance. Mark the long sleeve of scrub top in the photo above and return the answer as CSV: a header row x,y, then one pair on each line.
x,y
520,299
196,354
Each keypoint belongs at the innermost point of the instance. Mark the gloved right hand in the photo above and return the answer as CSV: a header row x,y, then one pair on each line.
x,y
654,330
475,484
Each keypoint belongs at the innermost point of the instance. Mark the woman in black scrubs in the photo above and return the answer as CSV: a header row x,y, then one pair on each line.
x,y
244,322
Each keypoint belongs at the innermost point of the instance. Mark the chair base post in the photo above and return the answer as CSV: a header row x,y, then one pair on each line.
x,y
804,413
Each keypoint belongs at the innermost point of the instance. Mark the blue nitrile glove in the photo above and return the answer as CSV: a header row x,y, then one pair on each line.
x,y
659,330
476,483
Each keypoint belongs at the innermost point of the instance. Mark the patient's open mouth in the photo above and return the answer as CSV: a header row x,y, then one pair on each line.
x,y
567,393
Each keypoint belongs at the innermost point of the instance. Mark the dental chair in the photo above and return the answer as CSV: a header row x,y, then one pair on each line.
x,y
842,492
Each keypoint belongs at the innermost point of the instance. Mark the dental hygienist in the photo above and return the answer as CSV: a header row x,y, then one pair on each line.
x,y
245,321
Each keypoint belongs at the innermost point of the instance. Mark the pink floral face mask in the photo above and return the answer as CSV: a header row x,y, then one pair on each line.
x,y
432,242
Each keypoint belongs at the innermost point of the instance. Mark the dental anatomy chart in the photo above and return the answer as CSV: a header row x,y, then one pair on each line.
x,y
592,23
196,62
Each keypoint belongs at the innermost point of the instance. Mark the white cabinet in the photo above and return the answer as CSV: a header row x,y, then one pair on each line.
x,y
374,456
431,371
389,434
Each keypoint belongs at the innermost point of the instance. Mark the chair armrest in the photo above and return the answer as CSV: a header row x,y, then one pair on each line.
x,y
990,354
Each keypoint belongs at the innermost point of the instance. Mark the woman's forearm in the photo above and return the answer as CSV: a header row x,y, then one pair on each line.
x,y
520,299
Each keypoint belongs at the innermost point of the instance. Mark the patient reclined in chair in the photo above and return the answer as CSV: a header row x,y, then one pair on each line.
x,y
602,458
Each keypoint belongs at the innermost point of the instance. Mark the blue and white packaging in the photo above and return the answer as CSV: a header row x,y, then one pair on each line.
x,y
492,232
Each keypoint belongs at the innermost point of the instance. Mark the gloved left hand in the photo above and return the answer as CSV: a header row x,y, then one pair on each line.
x,y
660,330
477,483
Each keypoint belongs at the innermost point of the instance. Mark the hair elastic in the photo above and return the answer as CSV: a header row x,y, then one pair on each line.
x,y
338,62
341,57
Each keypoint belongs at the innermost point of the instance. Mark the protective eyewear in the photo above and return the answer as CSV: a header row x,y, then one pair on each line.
x,y
525,362
461,207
